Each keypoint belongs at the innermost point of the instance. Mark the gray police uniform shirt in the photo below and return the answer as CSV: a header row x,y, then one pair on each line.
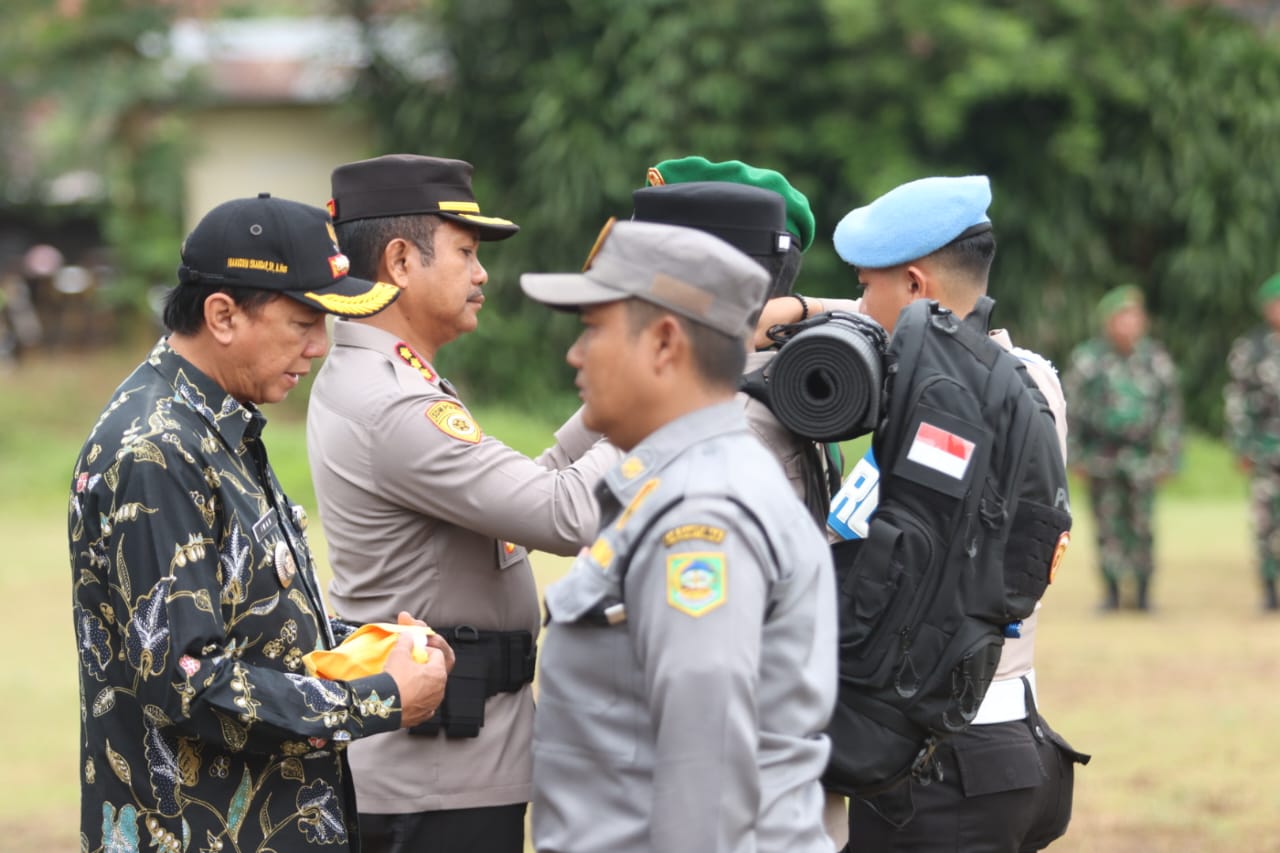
x,y
425,513
696,722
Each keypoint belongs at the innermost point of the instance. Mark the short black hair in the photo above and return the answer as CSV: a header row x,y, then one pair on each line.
x,y
184,304
364,240
719,358
971,257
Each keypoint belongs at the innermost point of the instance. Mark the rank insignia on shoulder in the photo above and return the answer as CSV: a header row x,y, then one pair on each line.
x,y
697,582
632,467
685,532
643,492
602,552
454,421
411,358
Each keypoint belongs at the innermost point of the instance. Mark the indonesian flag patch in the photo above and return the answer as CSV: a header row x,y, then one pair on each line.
x,y
942,451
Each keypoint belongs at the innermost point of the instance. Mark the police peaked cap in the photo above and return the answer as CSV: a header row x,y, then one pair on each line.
x,y
409,185
748,218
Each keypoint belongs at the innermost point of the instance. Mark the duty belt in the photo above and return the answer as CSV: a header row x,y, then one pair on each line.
x,y
487,663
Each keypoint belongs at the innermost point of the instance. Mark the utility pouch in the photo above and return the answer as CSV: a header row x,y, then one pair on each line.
x,y
486,663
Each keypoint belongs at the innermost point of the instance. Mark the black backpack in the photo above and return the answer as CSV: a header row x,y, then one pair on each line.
x,y
973,516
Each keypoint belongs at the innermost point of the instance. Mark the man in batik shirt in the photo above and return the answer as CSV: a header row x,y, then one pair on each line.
x,y
194,593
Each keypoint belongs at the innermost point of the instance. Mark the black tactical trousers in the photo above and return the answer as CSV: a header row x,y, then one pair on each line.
x,y
1006,788
497,829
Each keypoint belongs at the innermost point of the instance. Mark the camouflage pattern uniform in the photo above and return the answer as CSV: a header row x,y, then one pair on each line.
x,y
1125,418
1253,431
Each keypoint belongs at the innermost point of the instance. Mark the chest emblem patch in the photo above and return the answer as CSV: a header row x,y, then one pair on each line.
x,y
286,568
696,582
454,421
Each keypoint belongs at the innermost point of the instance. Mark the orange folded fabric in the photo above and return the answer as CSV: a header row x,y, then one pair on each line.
x,y
365,651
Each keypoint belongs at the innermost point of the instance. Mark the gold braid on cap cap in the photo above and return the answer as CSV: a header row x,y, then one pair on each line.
x,y
369,302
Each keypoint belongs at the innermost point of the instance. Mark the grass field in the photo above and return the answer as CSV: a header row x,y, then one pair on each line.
x,y
1181,709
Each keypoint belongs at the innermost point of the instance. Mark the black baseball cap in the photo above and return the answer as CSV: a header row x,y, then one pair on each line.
x,y
275,244
411,184
749,218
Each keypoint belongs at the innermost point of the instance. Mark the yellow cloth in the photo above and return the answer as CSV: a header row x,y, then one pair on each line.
x,y
365,651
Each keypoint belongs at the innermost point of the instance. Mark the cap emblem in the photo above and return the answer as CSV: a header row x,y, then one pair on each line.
x,y
332,206
654,177
339,265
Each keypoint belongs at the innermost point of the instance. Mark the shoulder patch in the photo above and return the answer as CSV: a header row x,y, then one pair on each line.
x,y
644,492
454,421
411,358
1063,541
697,582
685,532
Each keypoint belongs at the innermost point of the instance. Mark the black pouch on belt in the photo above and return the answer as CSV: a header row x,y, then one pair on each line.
x,y
486,663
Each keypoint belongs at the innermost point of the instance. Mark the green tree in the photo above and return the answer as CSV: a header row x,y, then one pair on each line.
x,y
563,104
1125,142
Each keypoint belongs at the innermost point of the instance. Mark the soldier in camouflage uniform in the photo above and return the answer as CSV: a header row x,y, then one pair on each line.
x,y
1125,415
1253,429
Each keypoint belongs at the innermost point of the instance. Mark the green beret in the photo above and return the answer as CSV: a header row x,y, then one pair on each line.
x,y
1270,290
1117,299
800,220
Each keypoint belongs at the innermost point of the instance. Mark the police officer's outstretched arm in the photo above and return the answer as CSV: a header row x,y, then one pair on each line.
x,y
454,472
697,610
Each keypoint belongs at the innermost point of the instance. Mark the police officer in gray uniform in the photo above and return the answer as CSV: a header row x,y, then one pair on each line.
x,y
689,668
425,513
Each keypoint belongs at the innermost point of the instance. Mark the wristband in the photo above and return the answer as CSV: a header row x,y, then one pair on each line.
x,y
804,307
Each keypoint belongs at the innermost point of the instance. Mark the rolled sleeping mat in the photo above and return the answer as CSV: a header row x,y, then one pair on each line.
x,y
827,381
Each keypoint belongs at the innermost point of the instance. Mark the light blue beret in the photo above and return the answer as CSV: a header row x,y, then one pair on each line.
x,y
912,220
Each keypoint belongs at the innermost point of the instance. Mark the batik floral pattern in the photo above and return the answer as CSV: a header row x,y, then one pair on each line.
x,y
199,729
